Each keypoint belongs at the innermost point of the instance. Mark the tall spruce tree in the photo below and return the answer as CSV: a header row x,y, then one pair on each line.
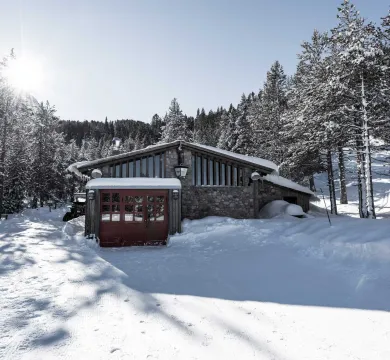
x,y
358,66
175,125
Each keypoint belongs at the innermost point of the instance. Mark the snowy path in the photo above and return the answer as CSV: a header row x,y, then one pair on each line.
x,y
230,289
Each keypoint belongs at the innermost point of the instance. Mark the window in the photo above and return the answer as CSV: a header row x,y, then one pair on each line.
x,y
144,167
193,166
223,175
229,176
198,170
111,207
157,165
235,176
204,178
211,172
216,177
150,166
131,169
240,177
162,165
160,203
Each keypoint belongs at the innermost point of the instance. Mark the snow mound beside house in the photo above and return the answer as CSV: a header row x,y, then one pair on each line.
x,y
74,230
280,208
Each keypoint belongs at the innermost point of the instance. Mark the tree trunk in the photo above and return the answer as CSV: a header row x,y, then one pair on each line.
x,y
312,184
343,186
332,192
367,157
2,161
359,179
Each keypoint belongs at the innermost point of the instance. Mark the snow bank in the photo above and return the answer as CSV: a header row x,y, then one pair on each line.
x,y
280,208
74,230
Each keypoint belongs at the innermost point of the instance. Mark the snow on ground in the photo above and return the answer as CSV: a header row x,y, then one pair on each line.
x,y
380,179
224,289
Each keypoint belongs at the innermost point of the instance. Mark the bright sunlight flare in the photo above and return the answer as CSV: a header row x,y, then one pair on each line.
x,y
25,73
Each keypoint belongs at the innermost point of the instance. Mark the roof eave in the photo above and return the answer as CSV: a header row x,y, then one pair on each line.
x,y
110,159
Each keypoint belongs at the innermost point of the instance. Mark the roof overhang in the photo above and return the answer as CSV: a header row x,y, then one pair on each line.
x,y
134,183
251,162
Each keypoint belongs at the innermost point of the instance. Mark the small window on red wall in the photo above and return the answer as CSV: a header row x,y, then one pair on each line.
x,y
111,208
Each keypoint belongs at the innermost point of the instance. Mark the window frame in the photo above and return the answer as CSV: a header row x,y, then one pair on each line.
x,y
208,170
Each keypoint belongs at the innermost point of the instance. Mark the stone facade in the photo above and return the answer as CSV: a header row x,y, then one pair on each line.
x,y
240,202
201,201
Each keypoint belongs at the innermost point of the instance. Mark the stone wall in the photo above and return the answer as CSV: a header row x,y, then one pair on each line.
x,y
202,201
240,202
269,192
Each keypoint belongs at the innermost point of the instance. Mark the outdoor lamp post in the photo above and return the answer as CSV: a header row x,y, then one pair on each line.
x,y
181,171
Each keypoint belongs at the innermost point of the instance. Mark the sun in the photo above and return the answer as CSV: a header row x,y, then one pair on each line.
x,y
25,73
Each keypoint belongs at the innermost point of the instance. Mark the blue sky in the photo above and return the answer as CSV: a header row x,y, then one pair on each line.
x,y
128,59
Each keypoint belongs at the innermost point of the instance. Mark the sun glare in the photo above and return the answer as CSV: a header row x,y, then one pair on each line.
x,y
25,73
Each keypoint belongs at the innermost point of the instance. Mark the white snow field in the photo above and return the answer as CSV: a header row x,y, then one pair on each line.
x,y
224,289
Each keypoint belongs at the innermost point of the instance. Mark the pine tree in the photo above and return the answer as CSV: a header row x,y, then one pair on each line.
x,y
267,122
358,65
175,126
242,129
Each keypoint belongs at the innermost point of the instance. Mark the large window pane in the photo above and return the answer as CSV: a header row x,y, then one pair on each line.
x,y
105,217
223,175
240,177
162,157
112,171
124,170
106,197
117,170
204,170
193,169
138,168
198,170
131,169
216,177
157,165
144,169
229,176
211,172
235,176
150,166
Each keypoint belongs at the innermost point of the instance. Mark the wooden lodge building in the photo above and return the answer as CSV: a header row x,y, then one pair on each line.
x,y
142,196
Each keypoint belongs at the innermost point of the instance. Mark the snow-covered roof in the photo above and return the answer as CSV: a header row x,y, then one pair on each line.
x,y
74,168
281,181
266,164
133,183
